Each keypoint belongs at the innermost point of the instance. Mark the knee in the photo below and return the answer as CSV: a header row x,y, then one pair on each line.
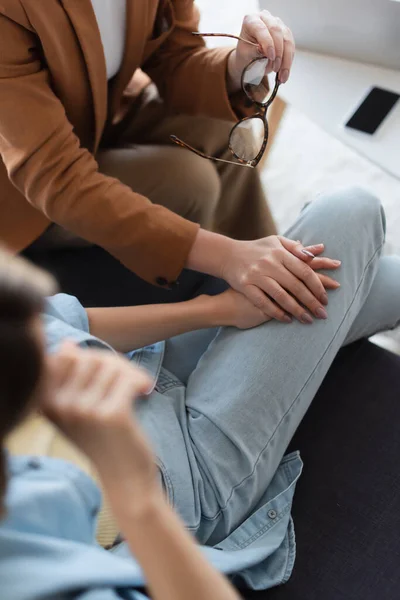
x,y
198,189
387,282
356,208
366,210
362,203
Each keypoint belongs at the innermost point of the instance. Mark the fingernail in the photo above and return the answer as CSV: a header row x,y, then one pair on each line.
x,y
271,53
308,253
287,319
306,319
337,262
324,299
277,64
337,284
321,313
284,76
320,246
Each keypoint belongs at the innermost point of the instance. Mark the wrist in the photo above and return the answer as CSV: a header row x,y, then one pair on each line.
x,y
132,494
125,463
211,310
140,506
210,253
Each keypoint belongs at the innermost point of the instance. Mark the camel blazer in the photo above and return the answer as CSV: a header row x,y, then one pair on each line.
x,y
56,104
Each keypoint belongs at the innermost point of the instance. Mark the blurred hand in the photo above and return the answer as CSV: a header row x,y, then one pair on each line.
x,y
90,398
279,279
275,41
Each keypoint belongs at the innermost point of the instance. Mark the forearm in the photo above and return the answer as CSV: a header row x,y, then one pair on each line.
x,y
210,252
128,328
173,565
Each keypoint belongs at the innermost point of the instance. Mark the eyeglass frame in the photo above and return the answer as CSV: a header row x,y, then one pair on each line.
x,y
263,115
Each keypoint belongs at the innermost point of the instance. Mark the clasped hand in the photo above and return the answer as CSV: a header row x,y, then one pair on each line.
x,y
279,279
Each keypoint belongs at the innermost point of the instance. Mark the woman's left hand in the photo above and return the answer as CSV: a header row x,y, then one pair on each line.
x,y
275,41
90,397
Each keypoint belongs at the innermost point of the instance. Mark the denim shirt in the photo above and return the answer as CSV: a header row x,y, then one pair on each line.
x,y
65,318
48,545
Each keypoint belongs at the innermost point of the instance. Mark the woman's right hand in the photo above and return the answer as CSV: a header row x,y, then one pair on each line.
x,y
90,398
273,273
279,279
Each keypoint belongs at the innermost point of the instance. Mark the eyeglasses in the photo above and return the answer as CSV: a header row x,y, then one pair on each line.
x,y
248,139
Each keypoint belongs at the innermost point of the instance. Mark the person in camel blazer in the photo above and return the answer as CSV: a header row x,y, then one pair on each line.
x,y
85,154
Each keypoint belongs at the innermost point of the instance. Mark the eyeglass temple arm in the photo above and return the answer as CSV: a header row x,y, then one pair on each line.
x,y
228,35
183,144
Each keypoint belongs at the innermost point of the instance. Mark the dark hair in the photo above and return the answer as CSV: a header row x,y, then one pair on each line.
x,y
22,292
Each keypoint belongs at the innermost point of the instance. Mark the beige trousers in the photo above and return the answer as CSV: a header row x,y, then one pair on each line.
x,y
223,198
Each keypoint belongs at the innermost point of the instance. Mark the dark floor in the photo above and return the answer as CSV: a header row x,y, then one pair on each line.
x,y
347,502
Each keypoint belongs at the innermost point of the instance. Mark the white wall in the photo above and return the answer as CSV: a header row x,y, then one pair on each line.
x,y
224,16
363,30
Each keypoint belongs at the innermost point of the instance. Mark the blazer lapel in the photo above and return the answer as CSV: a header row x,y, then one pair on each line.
x,y
83,19
136,35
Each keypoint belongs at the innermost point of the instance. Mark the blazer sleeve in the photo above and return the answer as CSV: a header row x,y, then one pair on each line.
x,y
190,77
46,163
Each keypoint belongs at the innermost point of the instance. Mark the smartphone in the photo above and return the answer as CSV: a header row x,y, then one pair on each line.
x,y
373,110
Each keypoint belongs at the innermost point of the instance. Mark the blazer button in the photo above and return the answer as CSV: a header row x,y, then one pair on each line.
x,y
162,281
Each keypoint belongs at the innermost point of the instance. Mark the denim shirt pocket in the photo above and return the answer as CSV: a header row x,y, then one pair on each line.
x,y
149,358
167,381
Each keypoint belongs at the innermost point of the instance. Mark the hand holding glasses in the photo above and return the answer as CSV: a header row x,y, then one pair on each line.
x,y
249,137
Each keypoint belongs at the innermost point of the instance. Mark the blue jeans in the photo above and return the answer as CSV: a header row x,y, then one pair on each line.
x,y
228,402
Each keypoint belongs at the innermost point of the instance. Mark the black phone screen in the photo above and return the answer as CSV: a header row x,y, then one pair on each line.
x,y
370,114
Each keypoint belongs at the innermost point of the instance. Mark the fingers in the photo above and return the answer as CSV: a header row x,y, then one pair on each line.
x,y
275,29
283,43
297,248
131,385
265,304
61,363
87,381
328,282
304,253
305,274
275,40
99,392
112,377
254,28
309,254
303,297
317,264
286,301
84,371
288,54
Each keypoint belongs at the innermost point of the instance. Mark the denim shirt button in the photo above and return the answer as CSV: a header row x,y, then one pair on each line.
x,y
272,514
34,463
